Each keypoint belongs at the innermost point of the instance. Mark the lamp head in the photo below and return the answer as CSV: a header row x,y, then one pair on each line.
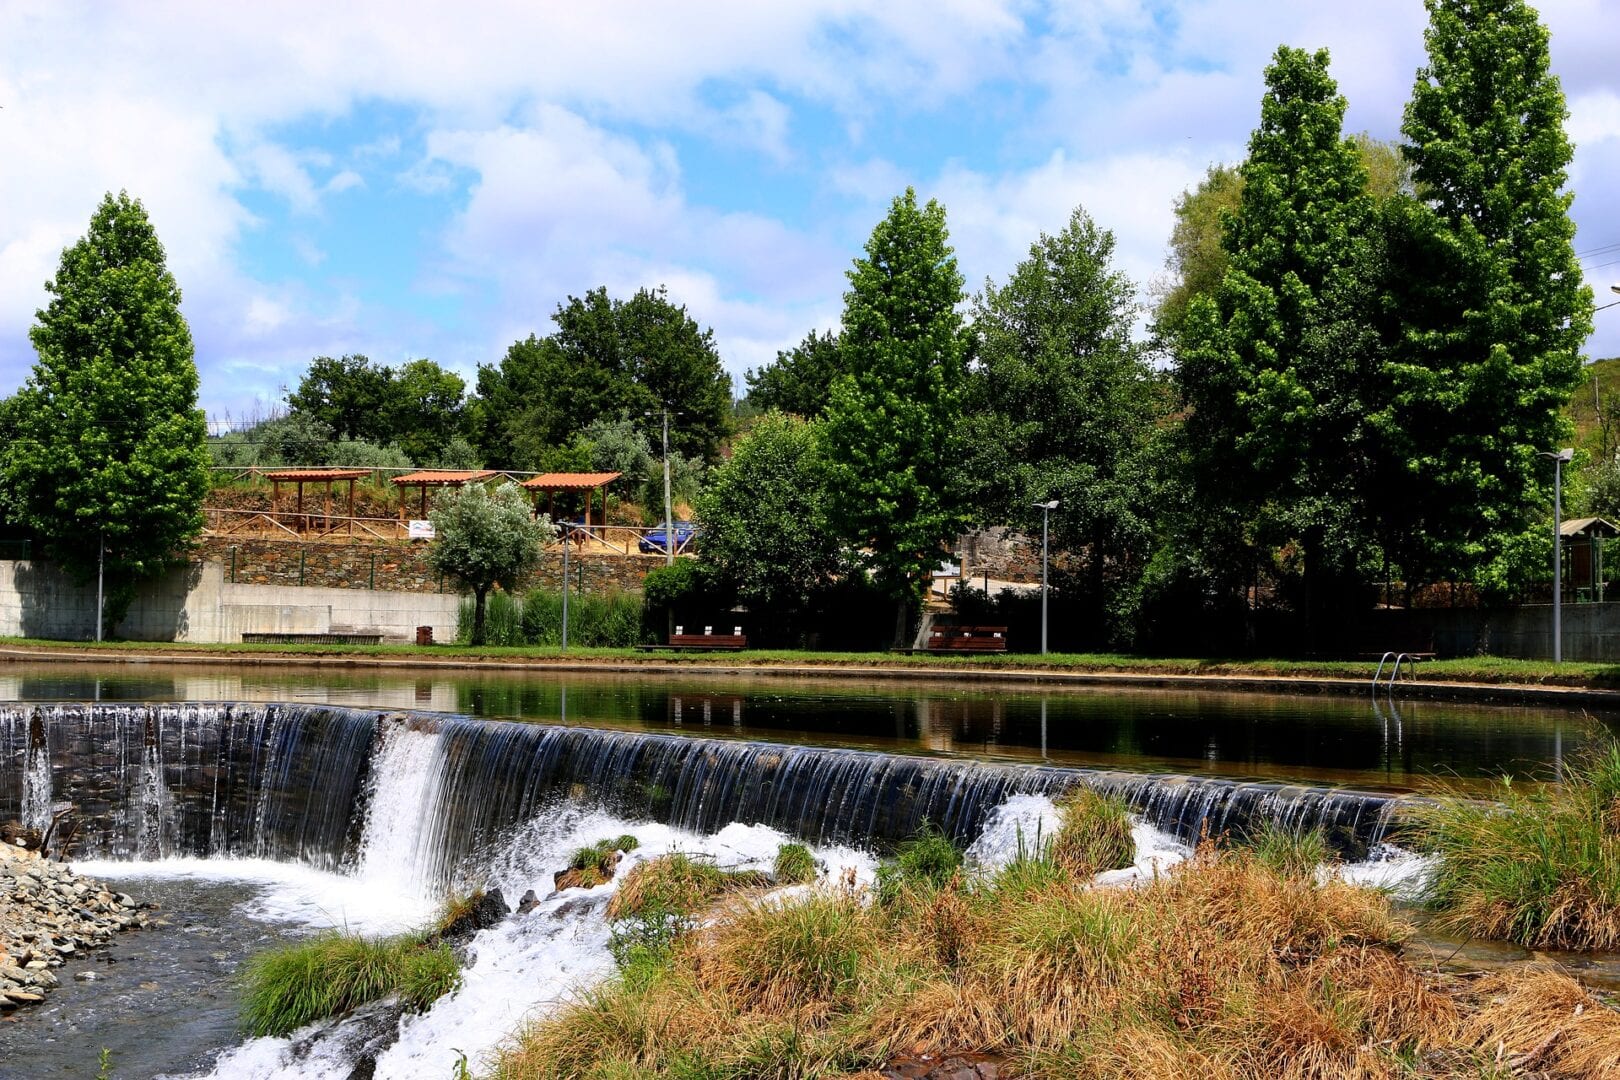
x,y
1053,505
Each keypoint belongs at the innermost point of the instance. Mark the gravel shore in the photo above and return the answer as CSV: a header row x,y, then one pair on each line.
x,y
48,915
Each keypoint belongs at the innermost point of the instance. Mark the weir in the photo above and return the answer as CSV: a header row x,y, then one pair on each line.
x,y
421,796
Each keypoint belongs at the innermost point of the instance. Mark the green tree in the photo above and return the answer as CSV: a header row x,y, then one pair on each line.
x,y
349,394
1062,405
1490,305
607,359
800,379
299,438
484,536
107,442
1196,262
888,426
424,410
764,519
1274,367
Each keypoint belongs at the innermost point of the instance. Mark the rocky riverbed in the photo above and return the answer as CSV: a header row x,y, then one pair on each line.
x,y
48,915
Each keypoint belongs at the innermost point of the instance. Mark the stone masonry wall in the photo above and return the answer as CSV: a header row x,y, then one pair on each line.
x,y
398,567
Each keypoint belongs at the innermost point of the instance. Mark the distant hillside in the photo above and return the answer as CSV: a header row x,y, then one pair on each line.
x,y
1583,404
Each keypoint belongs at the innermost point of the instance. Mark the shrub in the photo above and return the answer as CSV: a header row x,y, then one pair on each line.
x,y
328,975
1540,866
595,620
794,865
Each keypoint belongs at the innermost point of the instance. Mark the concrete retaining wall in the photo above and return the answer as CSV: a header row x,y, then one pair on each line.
x,y
1590,631
195,603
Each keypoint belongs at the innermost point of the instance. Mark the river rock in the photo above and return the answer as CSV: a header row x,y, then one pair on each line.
x,y
49,914
487,909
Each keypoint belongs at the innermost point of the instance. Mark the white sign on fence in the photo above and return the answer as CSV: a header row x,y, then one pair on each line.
x,y
420,530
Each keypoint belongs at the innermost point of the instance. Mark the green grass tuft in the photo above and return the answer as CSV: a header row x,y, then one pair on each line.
x,y
794,865
1540,866
1290,853
328,975
1095,834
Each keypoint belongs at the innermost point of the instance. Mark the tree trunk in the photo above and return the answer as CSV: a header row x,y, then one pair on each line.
x,y
479,594
902,624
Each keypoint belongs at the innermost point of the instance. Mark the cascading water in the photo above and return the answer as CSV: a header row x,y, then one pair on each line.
x,y
423,797
353,817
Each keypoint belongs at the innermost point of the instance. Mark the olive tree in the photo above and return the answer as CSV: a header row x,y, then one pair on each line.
x,y
483,536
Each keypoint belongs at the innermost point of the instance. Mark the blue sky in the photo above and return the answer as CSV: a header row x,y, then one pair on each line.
x,y
409,180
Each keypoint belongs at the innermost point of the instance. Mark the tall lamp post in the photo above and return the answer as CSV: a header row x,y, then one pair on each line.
x,y
1046,509
1558,459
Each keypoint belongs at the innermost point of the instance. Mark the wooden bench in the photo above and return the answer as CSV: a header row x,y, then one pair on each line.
x,y
967,639
708,641
335,638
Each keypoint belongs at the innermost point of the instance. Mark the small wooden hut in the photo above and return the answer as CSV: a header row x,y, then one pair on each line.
x,y
1583,540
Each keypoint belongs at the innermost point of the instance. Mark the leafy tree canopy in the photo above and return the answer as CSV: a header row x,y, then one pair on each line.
x,y
887,431
483,536
800,379
106,440
1275,367
1491,306
607,359
765,528
1063,405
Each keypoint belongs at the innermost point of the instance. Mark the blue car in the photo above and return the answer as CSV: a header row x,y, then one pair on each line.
x,y
653,542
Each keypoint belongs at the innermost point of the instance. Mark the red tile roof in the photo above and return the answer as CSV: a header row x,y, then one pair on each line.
x,y
443,476
297,475
570,481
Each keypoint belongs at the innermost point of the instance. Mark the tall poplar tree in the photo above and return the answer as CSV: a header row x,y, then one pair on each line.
x,y
107,443
1490,303
1273,367
888,424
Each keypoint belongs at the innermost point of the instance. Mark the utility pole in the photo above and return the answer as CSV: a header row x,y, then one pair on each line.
x,y
669,513
565,591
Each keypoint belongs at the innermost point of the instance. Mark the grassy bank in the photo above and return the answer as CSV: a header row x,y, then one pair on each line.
x,y
1234,964
1483,670
1536,864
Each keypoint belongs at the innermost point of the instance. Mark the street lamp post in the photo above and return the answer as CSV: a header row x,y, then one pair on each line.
x,y
1046,509
1558,459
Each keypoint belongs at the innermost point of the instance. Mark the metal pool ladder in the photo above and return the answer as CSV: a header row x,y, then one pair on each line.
x,y
1395,669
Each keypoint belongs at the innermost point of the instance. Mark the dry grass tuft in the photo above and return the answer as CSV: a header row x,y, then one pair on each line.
x,y
1227,967
675,883
1546,1024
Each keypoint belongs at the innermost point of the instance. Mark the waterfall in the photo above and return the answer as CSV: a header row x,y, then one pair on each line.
x,y
415,800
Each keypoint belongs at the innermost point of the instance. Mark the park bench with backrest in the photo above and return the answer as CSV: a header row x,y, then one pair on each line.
x,y
706,641
967,639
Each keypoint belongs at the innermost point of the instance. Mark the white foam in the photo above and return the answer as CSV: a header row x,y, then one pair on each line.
x,y
525,965
287,892
1404,874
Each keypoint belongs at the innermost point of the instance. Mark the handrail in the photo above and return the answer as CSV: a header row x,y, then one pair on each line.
x,y
1395,669
281,524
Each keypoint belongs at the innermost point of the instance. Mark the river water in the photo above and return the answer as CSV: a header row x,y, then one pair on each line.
x,y
164,1001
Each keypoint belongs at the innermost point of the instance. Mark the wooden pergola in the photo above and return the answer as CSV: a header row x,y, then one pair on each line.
x,y
1583,538
300,477
552,483
438,478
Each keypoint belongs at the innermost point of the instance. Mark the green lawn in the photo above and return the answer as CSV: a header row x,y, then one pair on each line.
x,y
1484,669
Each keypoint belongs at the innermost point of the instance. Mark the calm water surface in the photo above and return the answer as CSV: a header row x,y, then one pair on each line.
x,y
1358,741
